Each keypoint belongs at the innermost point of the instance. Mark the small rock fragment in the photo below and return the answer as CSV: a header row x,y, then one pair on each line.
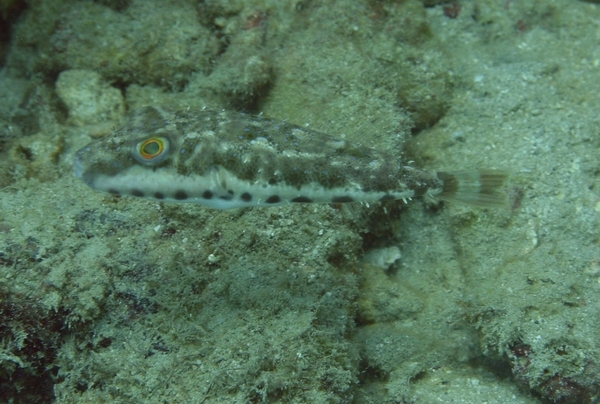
x,y
382,257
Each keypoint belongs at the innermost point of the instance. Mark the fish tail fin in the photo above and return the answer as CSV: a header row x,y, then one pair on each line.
x,y
483,188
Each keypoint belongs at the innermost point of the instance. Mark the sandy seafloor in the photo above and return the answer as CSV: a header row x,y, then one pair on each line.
x,y
122,300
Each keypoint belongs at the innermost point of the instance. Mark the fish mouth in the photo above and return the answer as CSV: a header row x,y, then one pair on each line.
x,y
78,167
81,169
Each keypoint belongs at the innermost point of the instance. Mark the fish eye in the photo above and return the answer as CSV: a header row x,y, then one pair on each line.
x,y
151,151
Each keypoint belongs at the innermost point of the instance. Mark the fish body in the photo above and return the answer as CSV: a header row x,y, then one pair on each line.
x,y
228,159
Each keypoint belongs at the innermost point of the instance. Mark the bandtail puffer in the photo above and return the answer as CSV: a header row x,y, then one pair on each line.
x,y
226,159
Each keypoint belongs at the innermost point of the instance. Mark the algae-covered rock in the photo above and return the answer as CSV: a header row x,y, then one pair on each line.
x,y
90,101
148,42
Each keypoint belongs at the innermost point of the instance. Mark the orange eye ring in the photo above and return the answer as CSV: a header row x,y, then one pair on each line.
x,y
152,150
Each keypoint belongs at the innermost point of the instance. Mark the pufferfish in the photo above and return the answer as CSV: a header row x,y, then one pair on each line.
x,y
227,159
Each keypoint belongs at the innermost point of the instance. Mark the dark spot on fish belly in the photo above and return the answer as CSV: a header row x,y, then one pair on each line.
x,y
137,192
207,194
159,195
180,195
246,197
342,199
302,199
273,199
